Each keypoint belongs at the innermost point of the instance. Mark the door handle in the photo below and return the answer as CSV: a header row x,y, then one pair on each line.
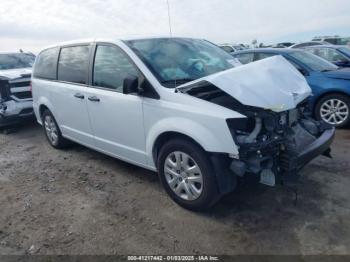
x,y
78,95
94,99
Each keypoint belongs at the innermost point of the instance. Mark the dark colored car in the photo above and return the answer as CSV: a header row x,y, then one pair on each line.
x,y
336,54
330,84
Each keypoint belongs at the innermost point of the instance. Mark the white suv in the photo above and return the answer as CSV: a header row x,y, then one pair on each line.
x,y
177,106
16,102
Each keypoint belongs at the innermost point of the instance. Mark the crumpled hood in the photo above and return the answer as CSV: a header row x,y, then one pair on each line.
x,y
272,83
342,73
11,74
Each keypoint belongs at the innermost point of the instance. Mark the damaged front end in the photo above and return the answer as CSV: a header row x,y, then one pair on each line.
x,y
276,146
272,145
16,103
277,136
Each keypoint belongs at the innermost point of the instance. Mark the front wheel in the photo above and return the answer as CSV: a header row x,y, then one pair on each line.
x,y
334,109
187,175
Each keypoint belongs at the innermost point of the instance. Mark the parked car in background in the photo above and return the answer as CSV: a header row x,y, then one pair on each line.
x,y
283,45
310,43
15,94
330,84
336,54
178,106
334,40
232,48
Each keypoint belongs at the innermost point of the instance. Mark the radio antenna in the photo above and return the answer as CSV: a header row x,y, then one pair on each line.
x,y
169,19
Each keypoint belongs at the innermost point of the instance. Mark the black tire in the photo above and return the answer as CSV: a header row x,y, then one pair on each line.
x,y
210,194
61,142
345,99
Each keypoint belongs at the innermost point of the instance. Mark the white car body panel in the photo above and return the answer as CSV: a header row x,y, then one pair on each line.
x,y
117,124
13,74
127,126
71,112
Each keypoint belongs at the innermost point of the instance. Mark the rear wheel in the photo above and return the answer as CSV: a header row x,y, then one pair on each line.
x,y
52,131
187,174
334,109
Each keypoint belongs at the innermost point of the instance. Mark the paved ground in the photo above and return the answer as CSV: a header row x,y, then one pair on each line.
x,y
82,202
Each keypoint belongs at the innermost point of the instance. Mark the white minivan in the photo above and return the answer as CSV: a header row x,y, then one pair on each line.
x,y
178,106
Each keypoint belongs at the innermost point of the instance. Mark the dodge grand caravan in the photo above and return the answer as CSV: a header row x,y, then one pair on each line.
x,y
178,106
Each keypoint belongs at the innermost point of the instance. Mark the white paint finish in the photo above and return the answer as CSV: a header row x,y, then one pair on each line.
x,y
13,74
14,108
70,112
117,123
20,89
15,105
127,126
200,120
271,83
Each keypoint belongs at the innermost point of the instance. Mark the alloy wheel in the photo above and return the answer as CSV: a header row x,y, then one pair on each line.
x,y
334,111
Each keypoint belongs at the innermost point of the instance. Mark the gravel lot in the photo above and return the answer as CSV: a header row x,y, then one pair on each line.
x,y
79,201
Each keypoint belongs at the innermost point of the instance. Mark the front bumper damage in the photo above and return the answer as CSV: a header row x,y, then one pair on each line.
x,y
12,112
275,146
277,136
14,108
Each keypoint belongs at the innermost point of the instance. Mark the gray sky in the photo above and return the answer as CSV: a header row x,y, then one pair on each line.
x,y
33,24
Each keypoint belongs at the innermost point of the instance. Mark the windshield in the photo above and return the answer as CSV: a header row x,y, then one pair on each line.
x,y
16,60
175,61
314,62
345,50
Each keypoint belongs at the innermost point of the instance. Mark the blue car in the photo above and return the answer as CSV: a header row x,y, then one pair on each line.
x,y
330,84
336,54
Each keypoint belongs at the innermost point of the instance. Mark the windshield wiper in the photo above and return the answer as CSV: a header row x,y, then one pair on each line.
x,y
328,70
181,81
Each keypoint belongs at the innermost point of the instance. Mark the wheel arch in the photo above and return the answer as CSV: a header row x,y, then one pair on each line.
x,y
212,137
40,105
42,108
167,136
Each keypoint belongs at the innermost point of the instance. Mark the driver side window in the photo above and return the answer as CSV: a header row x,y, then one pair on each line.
x,y
111,67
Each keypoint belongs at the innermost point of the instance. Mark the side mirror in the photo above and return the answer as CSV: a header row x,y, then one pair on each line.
x,y
131,85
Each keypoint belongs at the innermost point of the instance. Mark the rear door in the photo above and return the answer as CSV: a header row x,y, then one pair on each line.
x,y
69,93
116,118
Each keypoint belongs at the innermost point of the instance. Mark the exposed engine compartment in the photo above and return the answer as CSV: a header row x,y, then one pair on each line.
x,y
271,144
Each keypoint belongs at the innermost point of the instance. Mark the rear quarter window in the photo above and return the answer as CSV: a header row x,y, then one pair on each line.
x,y
46,64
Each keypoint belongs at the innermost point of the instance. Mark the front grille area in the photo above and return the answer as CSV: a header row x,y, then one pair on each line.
x,y
23,95
21,89
21,84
